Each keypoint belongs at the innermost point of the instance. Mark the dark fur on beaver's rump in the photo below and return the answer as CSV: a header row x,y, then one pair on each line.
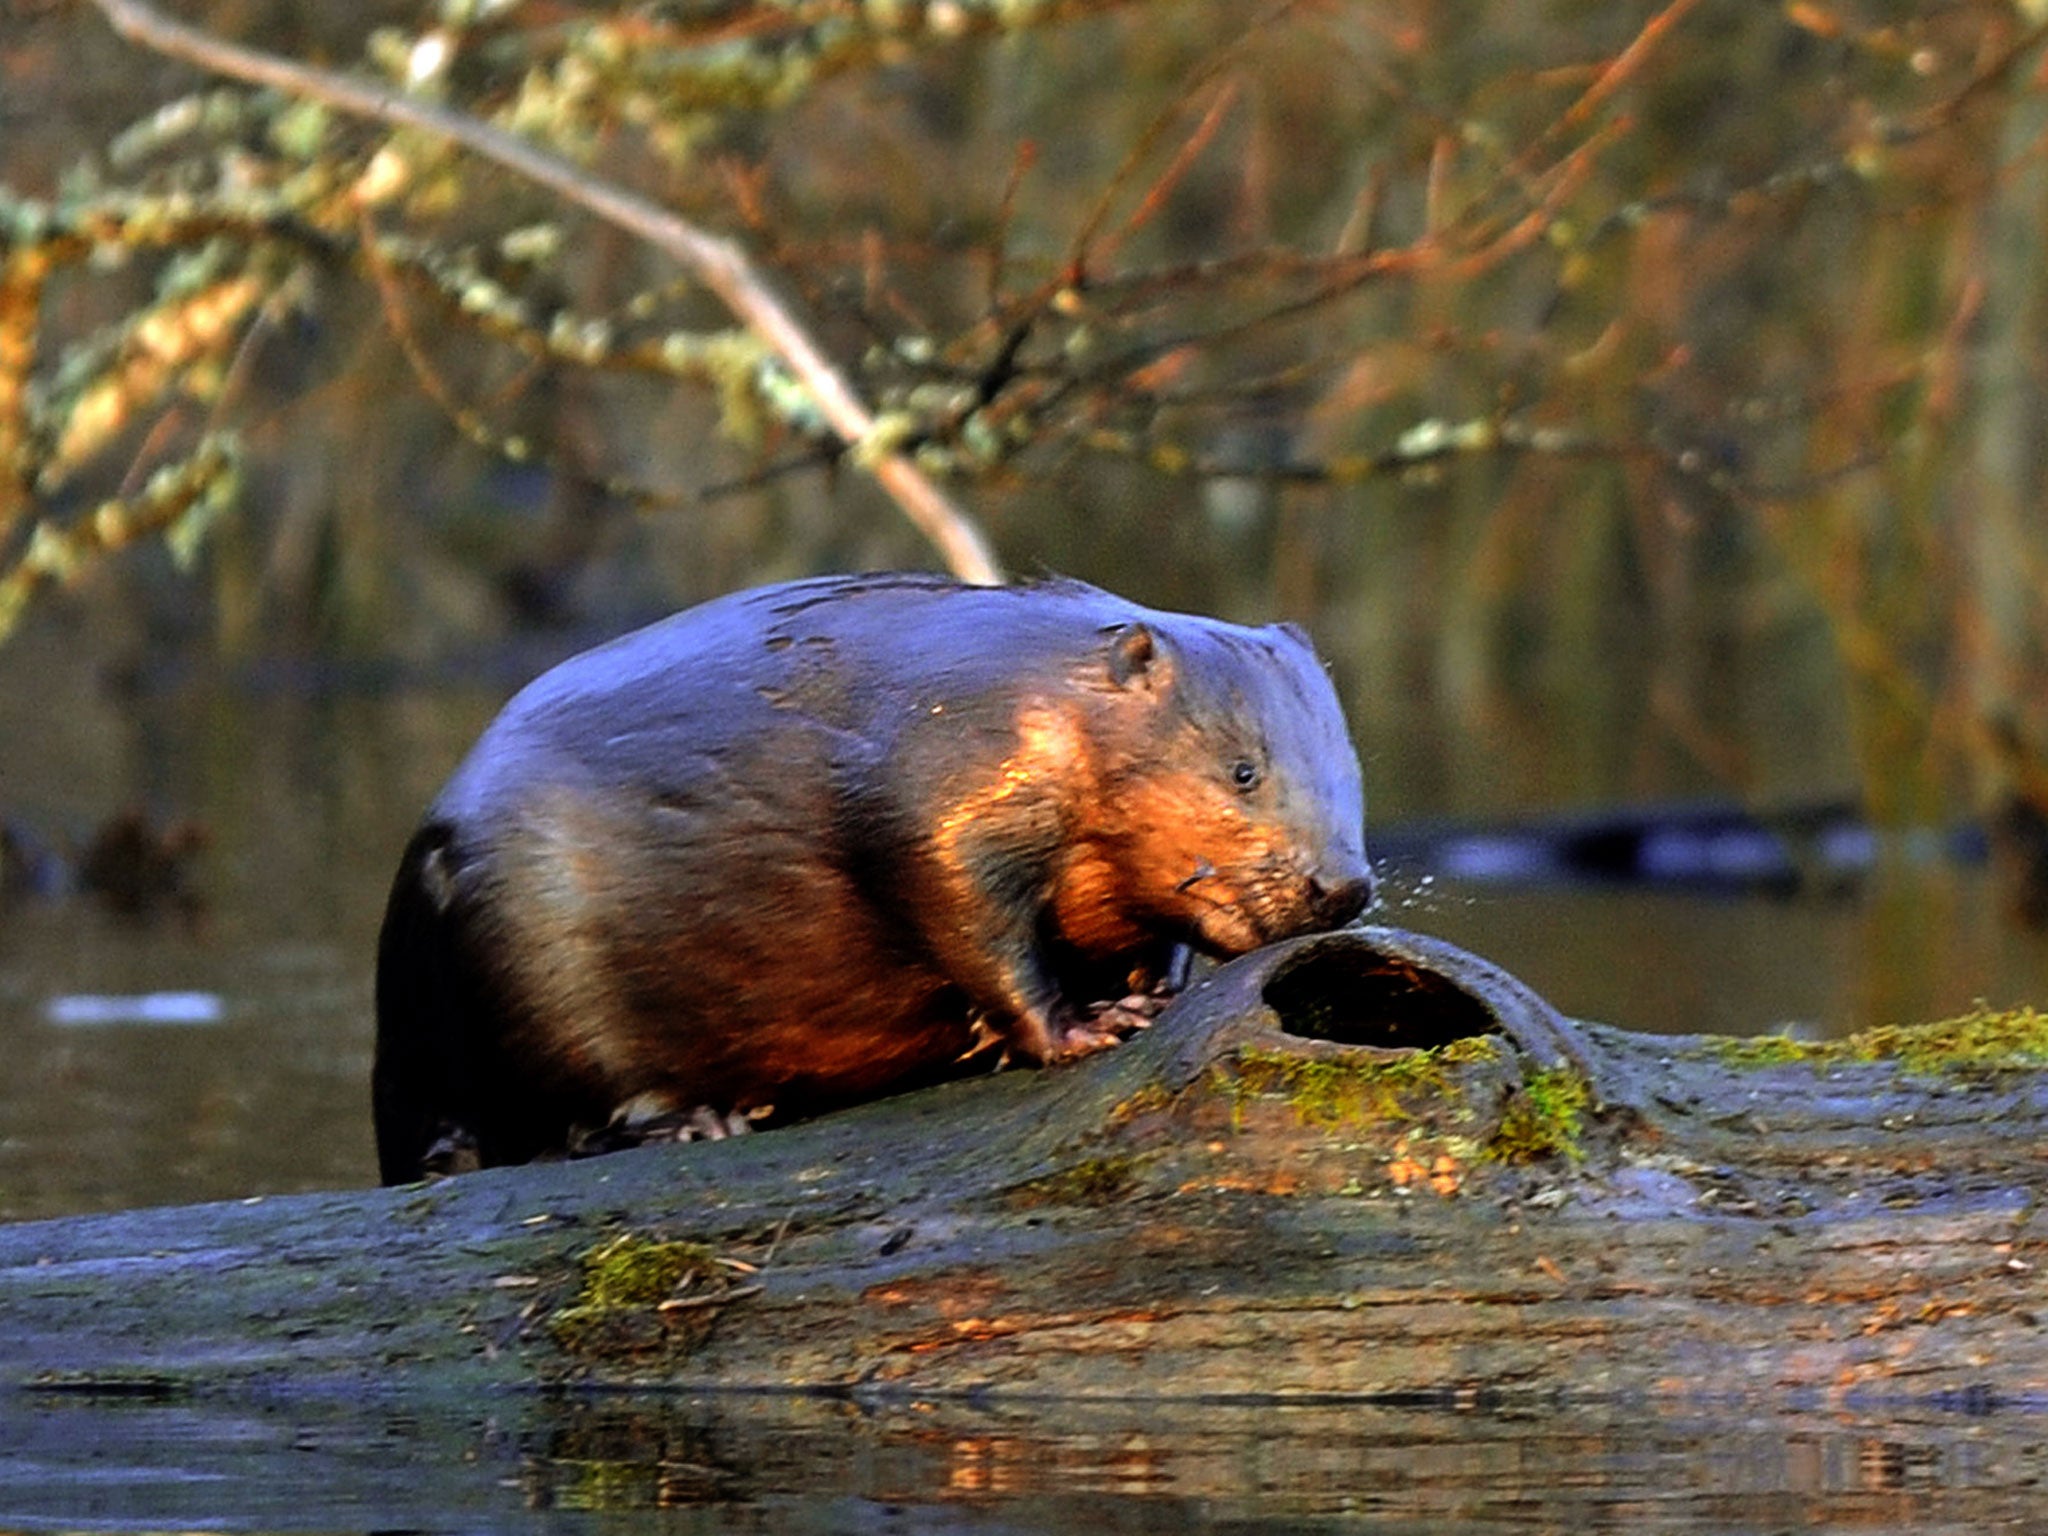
x,y
789,848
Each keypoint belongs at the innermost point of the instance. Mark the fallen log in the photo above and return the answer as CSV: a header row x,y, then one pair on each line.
x,y
1361,1167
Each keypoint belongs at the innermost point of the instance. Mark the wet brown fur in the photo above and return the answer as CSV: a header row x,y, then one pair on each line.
x,y
811,843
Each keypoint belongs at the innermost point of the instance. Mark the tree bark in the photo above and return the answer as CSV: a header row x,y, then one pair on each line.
x,y
1263,1197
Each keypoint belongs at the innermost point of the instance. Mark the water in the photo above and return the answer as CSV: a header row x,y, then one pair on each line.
x,y
802,1465
307,801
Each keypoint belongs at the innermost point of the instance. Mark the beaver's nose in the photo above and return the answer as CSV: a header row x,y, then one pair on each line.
x,y
1335,905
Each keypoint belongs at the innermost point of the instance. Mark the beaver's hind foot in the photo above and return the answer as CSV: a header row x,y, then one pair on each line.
x,y
452,1151
650,1118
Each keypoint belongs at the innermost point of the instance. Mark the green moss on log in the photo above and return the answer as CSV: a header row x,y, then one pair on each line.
x,y
1983,1040
1359,1087
1543,1118
640,1294
1092,1181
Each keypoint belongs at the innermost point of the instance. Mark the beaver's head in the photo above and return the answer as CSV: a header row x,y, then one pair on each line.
x,y
1231,802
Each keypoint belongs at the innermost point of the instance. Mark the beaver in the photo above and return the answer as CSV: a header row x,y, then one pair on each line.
x,y
810,842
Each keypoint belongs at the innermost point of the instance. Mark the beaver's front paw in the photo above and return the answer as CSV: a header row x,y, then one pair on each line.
x,y
1133,1013
1107,1024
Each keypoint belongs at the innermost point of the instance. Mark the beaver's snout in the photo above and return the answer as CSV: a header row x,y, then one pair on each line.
x,y
1335,905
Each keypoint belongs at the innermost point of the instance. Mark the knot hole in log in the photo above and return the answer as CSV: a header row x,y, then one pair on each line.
x,y
1354,994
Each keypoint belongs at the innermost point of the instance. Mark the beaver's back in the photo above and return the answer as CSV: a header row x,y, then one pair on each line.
x,y
845,662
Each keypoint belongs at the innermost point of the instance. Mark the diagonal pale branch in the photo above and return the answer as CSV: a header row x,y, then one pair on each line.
x,y
720,264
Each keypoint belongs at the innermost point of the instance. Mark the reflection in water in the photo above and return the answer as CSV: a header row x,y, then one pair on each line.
x,y
804,1465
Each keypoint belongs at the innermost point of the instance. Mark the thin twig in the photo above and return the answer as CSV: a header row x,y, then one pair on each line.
x,y
1626,64
694,1303
1613,75
1081,253
718,263
999,243
399,323
821,457
1175,172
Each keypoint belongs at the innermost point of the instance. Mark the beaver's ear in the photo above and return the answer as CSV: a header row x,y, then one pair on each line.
x,y
1137,658
1295,631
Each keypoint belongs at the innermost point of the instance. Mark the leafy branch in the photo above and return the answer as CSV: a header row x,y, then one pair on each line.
x,y
720,264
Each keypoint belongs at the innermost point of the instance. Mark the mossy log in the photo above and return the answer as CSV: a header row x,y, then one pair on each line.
x,y
1364,1166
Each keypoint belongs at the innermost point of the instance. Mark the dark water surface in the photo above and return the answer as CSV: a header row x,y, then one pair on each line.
x,y
782,1465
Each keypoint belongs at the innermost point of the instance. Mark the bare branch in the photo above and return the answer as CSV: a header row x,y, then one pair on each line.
x,y
720,264
1170,178
1625,64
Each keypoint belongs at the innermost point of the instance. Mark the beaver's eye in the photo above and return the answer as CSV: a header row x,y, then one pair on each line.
x,y
1244,773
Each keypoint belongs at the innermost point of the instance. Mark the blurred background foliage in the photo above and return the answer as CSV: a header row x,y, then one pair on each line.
x,y
1672,371
1638,402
